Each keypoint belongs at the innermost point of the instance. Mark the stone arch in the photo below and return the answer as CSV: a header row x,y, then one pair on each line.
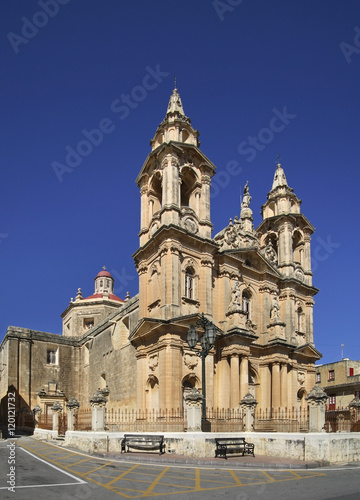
x,y
103,383
152,393
189,382
190,274
155,193
301,398
298,245
189,181
253,379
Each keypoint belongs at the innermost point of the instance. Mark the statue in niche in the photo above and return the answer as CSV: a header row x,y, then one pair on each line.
x,y
235,296
270,253
275,309
246,198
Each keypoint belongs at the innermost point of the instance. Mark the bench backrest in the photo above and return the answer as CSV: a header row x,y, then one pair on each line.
x,y
230,440
142,437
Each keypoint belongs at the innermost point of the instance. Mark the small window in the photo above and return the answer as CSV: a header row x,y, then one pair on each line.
x,y
331,375
189,284
299,319
318,377
351,372
246,303
88,323
51,357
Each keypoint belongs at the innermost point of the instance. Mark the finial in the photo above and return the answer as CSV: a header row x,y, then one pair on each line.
x,y
175,87
104,268
127,296
278,159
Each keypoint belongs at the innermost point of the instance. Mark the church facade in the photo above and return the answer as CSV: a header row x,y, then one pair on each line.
x,y
254,285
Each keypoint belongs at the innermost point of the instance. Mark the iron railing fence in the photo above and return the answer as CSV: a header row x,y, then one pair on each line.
x,y
167,420
282,420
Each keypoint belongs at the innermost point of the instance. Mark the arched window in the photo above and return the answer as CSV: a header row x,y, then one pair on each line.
x,y
188,184
298,248
299,319
189,283
246,298
155,194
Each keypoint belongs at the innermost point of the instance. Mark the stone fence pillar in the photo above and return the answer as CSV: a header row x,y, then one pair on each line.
x,y
317,399
37,411
193,406
72,408
98,402
248,405
56,408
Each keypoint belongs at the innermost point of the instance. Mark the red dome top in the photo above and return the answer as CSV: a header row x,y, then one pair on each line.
x,y
104,273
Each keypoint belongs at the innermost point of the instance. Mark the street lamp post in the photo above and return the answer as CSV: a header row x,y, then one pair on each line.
x,y
207,340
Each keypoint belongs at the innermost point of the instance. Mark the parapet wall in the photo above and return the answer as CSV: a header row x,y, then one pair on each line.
x,y
315,447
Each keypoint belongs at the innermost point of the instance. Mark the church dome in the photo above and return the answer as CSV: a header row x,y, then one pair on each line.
x,y
104,273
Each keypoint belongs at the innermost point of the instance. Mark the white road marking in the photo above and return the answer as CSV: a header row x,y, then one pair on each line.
x,y
78,480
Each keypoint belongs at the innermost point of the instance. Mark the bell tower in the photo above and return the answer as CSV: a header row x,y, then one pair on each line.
x,y
286,229
174,184
285,238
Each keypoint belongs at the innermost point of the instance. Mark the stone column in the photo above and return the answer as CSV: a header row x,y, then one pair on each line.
x,y
223,385
37,411
248,405
283,386
317,399
98,403
234,381
56,409
193,406
72,408
244,376
275,386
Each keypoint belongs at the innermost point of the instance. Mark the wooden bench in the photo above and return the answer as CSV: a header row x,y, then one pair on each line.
x,y
143,442
234,445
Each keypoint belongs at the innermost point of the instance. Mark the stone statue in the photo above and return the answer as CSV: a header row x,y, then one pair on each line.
x,y
270,253
275,309
235,296
246,198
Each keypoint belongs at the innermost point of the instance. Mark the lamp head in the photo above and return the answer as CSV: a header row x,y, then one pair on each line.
x,y
192,337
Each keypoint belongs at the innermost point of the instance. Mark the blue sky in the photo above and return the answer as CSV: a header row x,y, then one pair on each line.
x,y
238,63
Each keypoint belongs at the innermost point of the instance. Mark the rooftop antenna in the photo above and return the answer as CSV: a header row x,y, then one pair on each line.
x,y
342,351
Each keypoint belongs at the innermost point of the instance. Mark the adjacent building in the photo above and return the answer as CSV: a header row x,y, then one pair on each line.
x,y
341,382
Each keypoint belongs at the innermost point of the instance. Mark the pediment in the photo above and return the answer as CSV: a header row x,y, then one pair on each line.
x,y
155,327
308,351
253,259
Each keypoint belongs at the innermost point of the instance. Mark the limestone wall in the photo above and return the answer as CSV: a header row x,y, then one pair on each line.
x,y
317,447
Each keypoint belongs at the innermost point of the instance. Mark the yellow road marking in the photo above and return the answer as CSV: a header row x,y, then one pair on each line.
x,y
196,475
96,468
152,486
81,461
121,475
197,480
236,479
295,474
272,480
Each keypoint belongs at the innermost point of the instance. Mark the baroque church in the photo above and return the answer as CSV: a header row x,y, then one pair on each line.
x,y
254,285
